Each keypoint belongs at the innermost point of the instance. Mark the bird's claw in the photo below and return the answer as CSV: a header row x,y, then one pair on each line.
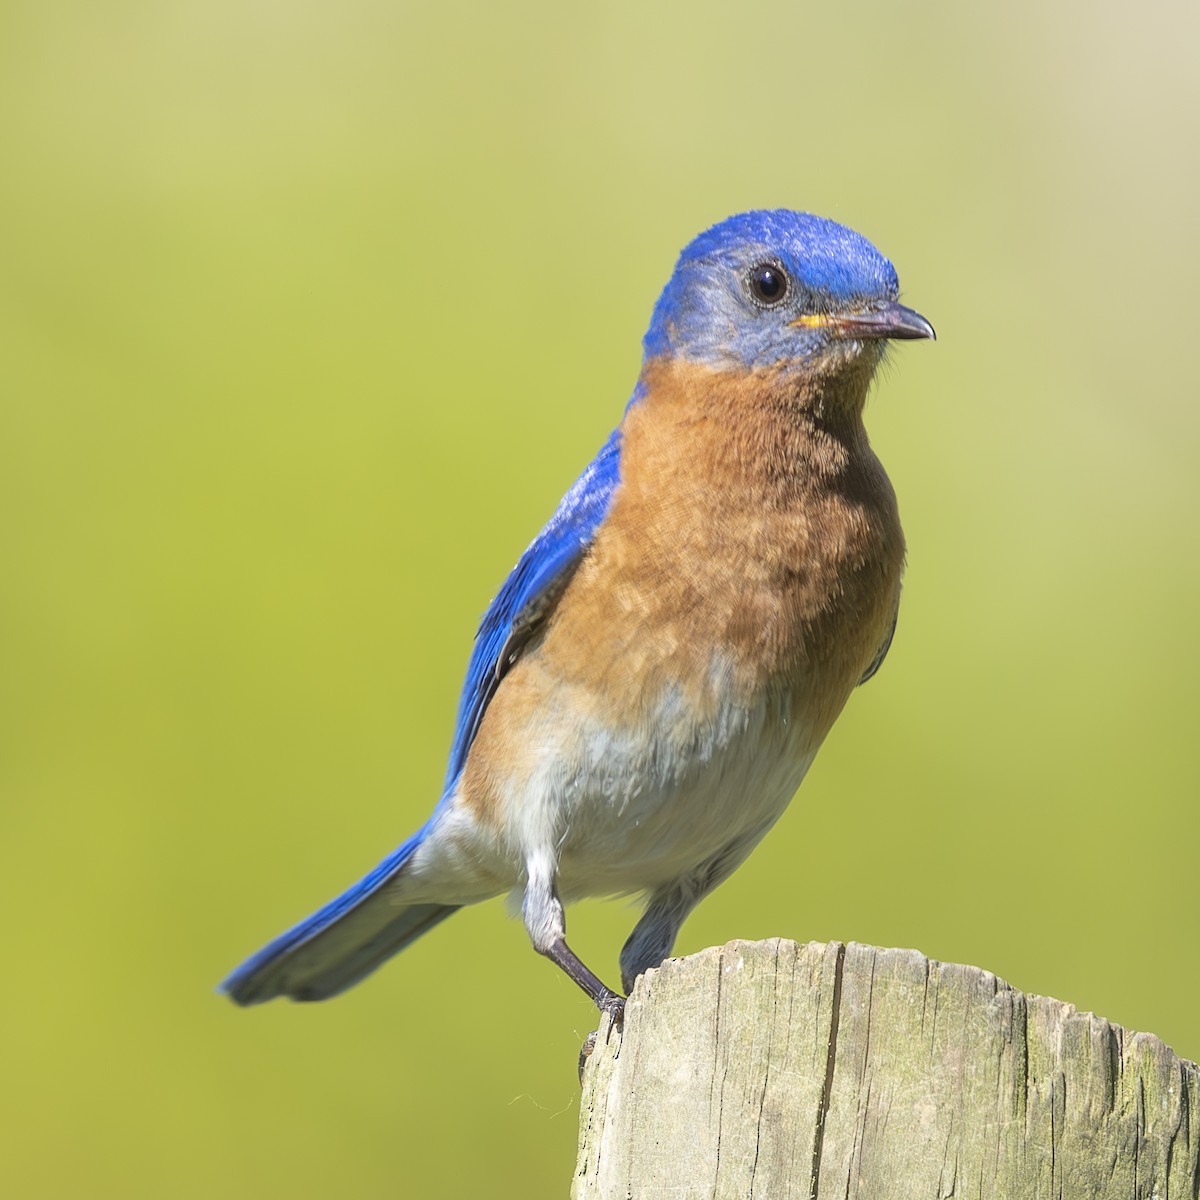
x,y
614,1006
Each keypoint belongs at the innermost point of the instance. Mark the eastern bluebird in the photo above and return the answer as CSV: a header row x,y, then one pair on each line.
x,y
651,683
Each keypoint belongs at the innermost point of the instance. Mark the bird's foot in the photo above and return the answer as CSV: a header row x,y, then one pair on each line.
x,y
613,1006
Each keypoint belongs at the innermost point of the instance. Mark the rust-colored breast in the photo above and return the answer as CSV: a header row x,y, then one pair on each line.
x,y
749,545
753,546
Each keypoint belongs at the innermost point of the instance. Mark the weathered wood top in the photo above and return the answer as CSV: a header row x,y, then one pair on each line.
x,y
774,1070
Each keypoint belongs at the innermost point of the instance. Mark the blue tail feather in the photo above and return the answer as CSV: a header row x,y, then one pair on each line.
x,y
340,943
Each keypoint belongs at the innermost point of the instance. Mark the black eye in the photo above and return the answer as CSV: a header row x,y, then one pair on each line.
x,y
768,284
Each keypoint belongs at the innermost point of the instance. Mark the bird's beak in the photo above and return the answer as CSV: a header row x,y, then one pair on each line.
x,y
890,320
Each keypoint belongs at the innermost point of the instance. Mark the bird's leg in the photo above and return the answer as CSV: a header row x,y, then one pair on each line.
x,y
602,996
653,937
546,923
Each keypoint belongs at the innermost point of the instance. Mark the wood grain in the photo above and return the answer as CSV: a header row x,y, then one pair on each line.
x,y
775,1070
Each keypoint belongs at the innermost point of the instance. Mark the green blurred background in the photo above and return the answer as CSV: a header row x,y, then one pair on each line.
x,y
309,313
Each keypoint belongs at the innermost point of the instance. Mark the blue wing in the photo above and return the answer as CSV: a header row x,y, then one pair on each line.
x,y
530,593
354,933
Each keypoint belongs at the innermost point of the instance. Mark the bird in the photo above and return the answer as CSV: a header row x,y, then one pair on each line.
x,y
649,686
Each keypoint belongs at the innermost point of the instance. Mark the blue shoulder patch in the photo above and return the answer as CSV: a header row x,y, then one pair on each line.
x,y
530,592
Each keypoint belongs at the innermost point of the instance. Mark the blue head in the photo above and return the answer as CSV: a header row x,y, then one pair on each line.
x,y
775,289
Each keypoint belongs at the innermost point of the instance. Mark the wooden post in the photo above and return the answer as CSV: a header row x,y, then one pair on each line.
x,y
845,1072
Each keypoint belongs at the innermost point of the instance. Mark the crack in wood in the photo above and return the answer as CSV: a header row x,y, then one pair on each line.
x,y
814,1179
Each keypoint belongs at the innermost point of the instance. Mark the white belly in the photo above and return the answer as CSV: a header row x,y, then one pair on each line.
x,y
637,807
623,806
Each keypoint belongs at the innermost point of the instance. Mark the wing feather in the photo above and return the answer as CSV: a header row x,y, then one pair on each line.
x,y
530,593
